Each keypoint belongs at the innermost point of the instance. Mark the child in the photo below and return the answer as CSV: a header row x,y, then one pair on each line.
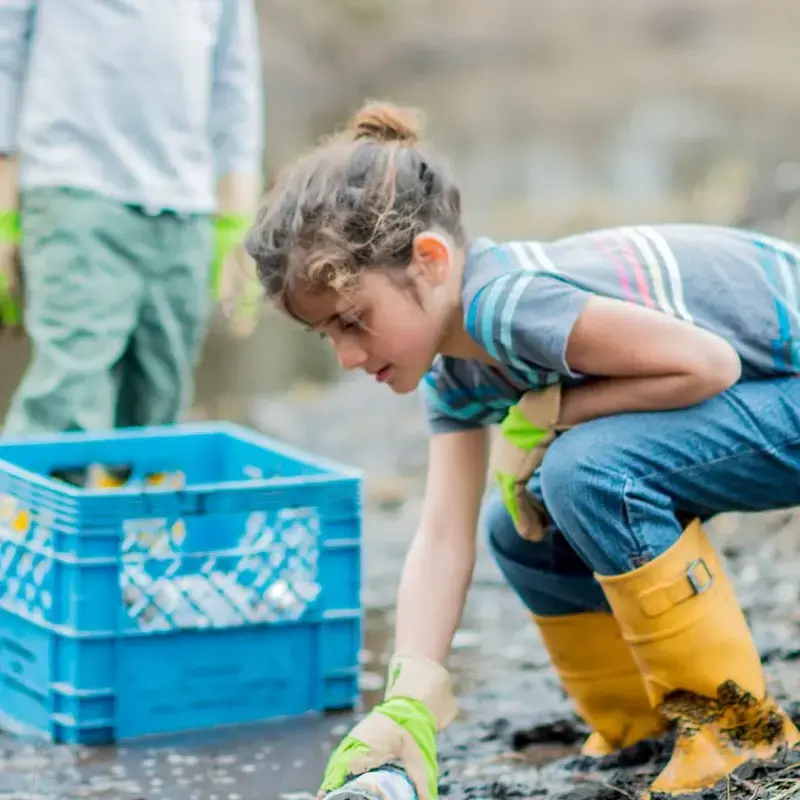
x,y
645,381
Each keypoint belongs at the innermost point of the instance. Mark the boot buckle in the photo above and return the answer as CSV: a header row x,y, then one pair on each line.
x,y
699,576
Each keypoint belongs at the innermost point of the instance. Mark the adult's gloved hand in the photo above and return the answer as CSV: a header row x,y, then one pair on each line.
x,y
401,730
10,316
233,276
234,281
10,236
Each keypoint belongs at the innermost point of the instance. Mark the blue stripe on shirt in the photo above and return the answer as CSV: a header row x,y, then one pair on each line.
x,y
782,346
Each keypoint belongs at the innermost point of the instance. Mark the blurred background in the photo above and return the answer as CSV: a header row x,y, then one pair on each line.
x,y
555,117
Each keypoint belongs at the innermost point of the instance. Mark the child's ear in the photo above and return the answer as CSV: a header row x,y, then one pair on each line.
x,y
432,257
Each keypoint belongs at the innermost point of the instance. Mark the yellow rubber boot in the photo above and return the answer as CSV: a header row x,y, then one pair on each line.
x,y
598,672
680,616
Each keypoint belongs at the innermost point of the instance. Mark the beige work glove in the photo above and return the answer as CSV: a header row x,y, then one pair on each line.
x,y
525,434
401,730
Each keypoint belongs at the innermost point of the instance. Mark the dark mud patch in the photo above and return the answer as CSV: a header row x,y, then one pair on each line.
x,y
498,759
506,760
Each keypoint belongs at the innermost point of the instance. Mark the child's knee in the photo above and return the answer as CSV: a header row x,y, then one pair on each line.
x,y
575,478
584,497
615,522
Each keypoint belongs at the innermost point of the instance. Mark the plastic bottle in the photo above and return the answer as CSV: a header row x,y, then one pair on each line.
x,y
386,783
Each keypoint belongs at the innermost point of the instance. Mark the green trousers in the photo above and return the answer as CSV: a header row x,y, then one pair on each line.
x,y
117,303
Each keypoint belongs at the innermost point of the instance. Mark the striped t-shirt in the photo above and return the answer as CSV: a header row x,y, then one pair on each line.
x,y
521,299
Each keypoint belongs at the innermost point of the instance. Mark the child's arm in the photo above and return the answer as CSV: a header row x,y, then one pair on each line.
x,y
649,361
419,698
441,558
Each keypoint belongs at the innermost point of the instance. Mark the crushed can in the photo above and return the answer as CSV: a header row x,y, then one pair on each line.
x,y
385,783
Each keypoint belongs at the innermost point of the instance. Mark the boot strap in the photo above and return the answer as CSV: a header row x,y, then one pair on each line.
x,y
694,580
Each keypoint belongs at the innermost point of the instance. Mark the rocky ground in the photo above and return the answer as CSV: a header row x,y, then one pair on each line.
x,y
517,736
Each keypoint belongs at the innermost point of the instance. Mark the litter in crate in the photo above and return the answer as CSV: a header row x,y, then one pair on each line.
x,y
272,577
108,476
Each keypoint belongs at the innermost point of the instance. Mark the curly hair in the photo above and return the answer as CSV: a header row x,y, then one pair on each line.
x,y
356,202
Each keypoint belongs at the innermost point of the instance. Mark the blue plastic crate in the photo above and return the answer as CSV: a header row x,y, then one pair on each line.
x,y
232,598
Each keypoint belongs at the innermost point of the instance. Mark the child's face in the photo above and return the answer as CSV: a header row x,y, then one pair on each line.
x,y
389,325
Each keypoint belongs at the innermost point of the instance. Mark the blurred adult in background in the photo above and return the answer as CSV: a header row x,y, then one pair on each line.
x,y
130,165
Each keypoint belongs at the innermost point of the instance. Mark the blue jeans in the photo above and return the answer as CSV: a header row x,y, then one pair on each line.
x,y
619,490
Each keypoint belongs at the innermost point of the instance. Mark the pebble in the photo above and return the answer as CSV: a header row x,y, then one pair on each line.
x,y
749,574
371,681
25,763
466,639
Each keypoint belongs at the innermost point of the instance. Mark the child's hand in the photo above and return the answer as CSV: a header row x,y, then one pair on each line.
x,y
401,730
525,434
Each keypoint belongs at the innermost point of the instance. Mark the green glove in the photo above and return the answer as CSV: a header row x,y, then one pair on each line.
x,y
355,755
229,231
401,730
10,238
517,429
525,435
10,228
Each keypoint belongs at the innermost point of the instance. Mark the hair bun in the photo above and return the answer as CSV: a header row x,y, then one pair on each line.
x,y
384,122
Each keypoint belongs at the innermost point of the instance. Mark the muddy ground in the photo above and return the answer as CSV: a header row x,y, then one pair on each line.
x,y
517,736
